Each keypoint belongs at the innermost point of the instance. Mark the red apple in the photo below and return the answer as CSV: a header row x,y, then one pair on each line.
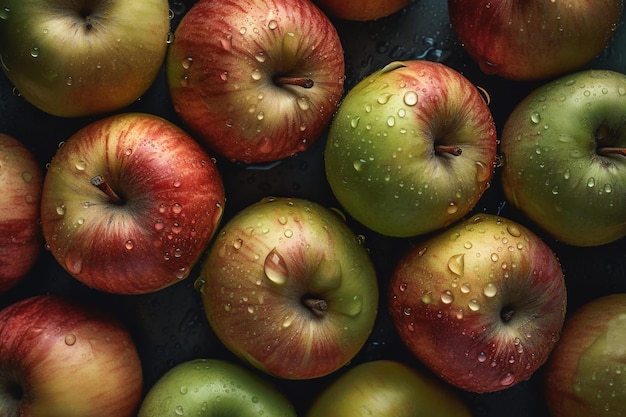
x,y
481,304
60,358
287,287
257,80
82,57
586,373
387,388
361,10
533,39
20,192
130,203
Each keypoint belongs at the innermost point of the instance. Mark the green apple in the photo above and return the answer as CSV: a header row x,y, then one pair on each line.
x,y
82,57
411,149
289,288
586,374
213,387
387,388
564,150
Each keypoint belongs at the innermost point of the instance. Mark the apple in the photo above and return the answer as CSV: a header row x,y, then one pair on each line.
x,y
481,304
533,39
387,388
21,181
411,149
214,387
288,288
586,373
130,203
256,80
61,358
77,58
361,10
564,150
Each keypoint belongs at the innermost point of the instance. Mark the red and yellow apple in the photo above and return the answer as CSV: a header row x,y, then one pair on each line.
x,y
361,10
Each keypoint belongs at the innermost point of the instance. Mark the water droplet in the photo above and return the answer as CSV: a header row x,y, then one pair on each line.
x,y
34,52
275,267
482,357
494,257
227,42
273,24
187,62
169,38
354,122
465,288
177,208
60,210
507,379
452,208
129,245
391,121
447,297
158,225
303,103
256,74
410,98
456,264
608,188
70,339
237,244
27,176
473,305
591,182
358,164
74,263
535,117
384,98
621,91
260,56
224,76
5,12
490,290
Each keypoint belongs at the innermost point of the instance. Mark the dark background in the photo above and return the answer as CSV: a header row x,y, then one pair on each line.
x,y
169,326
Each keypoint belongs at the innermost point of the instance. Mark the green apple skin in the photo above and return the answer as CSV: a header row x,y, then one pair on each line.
x,y
287,287
78,58
533,39
387,388
482,303
21,180
586,373
390,159
237,70
564,162
170,201
213,387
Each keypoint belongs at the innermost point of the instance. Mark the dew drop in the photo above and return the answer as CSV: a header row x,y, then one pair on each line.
x,y
391,121
456,264
384,98
237,244
507,379
473,305
452,208
447,297
177,208
303,103
275,267
513,230
358,164
224,76
70,339
482,357
129,245
273,24
410,98
354,122
591,182
81,165
34,52
490,290
187,62
74,263
535,117
60,210
256,74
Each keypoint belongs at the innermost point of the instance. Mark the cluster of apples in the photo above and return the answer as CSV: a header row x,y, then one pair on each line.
x,y
133,203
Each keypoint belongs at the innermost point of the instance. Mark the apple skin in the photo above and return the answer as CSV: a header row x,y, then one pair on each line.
x,y
21,181
288,288
389,155
361,10
481,304
78,58
563,157
533,39
172,202
62,358
586,373
213,387
223,70
387,388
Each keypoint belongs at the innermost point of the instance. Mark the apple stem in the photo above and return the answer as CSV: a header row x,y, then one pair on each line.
x,y
451,149
612,150
298,81
103,185
316,305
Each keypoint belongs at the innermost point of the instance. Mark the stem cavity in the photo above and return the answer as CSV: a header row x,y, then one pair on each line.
x,y
100,182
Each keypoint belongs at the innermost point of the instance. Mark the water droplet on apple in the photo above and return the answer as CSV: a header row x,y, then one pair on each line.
x,y
227,42
465,288
74,263
456,264
482,357
358,164
535,117
608,188
61,210
169,39
224,76
34,52
384,98
354,122
410,98
198,284
237,244
5,12
621,91
591,182
256,74
391,121
507,379
490,290
177,208
187,62
494,257
447,297
275,267
129,245
303,103
70,339
473,305
179,410
272,24
452,208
